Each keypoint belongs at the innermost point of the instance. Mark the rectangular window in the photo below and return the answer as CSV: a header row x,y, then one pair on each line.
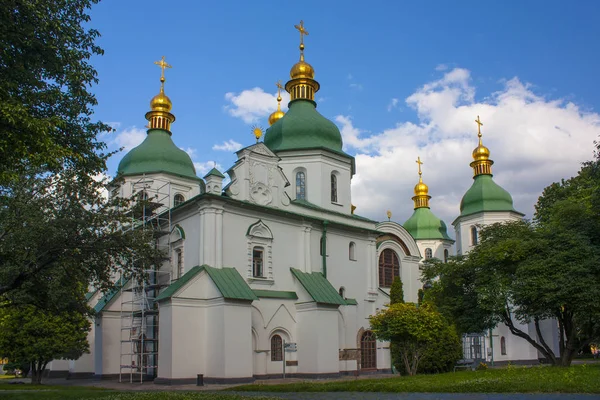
x,y
257,262
179,263
334,198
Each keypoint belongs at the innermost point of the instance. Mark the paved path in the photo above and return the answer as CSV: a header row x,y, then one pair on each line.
x,y
422,396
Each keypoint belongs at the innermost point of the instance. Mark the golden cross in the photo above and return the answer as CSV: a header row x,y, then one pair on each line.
x,y
420,163
479,124
162,64
302,31
279,87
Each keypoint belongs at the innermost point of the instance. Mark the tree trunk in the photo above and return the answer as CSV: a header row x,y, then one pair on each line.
x,y
517,332
406,363
37,369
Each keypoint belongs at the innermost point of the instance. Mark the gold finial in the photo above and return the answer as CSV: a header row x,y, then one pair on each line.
x,y
303,32
160,116
162,64
257,132
277,114
482,165
479,125
421,197
389,215
279,87
420,163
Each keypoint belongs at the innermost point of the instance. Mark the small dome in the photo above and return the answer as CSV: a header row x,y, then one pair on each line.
x,y
276,116
485,195
421,189
302,69
161,102
481,153
423,224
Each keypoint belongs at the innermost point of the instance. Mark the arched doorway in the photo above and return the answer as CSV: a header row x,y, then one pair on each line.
x,y
368,350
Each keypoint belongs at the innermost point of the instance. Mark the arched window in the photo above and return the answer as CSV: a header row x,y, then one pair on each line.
x,y
446,255
179,263
428,253
257,261
178,199
342,292
276,348
351,249
334,196
503,345
368,351
300,185
389,267
474,237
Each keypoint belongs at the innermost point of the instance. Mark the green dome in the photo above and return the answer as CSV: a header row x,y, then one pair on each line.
x,y
485,195
424,225
302,127
157,153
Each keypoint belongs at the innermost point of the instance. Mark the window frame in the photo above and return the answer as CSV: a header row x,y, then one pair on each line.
x,y
260,250
503,346
175,198
276,348
333,188
301,186
474,236
446,255
352,251
384,266
428,253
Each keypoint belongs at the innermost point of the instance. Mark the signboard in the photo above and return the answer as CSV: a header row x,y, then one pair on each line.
x,y
291,347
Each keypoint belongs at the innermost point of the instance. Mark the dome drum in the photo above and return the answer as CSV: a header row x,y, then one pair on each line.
x,y
302,88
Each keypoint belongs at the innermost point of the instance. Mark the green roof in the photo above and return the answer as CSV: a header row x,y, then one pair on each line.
x,y
275,294
423,224
303,127
110,295
228,281
485,195
318,287
157,153
214,172
351,302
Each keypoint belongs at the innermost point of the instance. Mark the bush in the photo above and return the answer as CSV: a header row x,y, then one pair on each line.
x,y
440,356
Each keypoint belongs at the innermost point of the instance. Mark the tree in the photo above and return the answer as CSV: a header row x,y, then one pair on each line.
x,y
45,79
414,331
524,272
31,335
59,234
396,291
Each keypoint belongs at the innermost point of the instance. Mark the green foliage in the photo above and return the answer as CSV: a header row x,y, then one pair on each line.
x,y
29,334
20,368
541,379
59,235
46,107
527,272
417,334
396,291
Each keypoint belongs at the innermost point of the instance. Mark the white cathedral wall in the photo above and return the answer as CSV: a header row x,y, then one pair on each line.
x,y
462,226
437,247
319,165
158,184
318,340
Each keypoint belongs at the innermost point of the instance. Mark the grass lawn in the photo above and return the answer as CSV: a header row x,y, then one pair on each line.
x,y
29,392
545,379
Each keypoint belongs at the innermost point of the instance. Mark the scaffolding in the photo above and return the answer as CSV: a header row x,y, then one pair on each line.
x,y
139,310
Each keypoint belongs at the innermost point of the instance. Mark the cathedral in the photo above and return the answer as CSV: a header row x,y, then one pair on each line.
x,y
268,270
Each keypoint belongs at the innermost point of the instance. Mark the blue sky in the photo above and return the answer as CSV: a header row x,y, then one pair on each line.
x,y
400,79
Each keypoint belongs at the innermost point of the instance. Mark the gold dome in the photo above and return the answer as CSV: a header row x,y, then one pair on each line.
x,y
302,69
421,189
161,102
276,116
481,153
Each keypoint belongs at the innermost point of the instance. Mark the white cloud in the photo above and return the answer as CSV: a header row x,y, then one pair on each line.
x,y
229,145
254,104
393,104
129,138
441,67
534,141
190,151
